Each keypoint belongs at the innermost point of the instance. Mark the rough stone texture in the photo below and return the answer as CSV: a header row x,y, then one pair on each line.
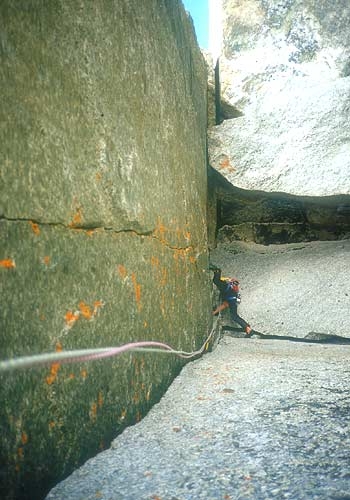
x,y
275,218
267,419
270,218
285,67
103,157
291,289
211,88
252,420
265,40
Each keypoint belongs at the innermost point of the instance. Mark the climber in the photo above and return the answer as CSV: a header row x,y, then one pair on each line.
x,y
229,293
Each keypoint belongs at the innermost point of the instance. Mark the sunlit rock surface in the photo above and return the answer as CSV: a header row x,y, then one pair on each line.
x,y
291,289
286,69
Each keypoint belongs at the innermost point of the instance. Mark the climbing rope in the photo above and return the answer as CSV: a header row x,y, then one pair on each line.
x,y
81,355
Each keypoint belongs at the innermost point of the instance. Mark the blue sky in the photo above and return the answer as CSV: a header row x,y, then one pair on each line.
x,y
199,13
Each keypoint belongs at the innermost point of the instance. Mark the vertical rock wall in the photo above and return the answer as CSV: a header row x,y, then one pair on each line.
x,y
103,234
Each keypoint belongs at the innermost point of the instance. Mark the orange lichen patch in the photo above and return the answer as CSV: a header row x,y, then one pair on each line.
x,y
7,263
46,260
58,347
52,424
77,218
178,254
226,165
85,310
93,411
100,399
192,259
154,261
224,162
50,379
70,318
90,232
71,376
187,235
83,374
97,305
54,368
20,453
35,227
137,290
164,277
122,271
160,231
24,438
98,176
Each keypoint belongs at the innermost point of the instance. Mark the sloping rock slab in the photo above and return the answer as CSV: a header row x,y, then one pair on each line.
x,y
291,290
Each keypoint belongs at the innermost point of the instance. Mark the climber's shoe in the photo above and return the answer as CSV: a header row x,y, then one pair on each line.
x,y
248,332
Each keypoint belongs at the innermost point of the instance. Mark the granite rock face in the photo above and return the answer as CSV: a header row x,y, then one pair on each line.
x,y
285,67
265,40
103,157
211,88
273,414
293,289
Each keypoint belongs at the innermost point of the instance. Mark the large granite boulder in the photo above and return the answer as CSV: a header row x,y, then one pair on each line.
x,y
103,159
285,67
